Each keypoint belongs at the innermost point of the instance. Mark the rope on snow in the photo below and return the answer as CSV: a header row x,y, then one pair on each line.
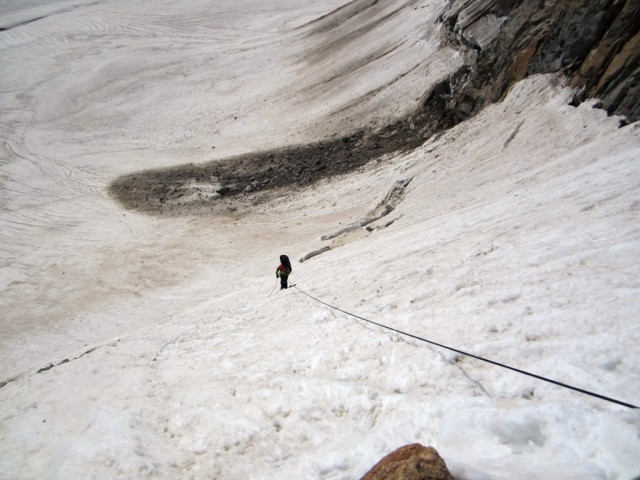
x,y
524,372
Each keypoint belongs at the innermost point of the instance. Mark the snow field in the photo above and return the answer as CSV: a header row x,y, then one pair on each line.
x,y
517,241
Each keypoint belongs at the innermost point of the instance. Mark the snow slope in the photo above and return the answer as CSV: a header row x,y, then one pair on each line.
x,y
517,240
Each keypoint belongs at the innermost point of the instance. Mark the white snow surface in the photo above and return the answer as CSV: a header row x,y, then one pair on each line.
x,y
518,240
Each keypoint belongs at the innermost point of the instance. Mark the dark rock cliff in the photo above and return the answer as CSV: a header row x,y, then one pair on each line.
x,y
595,43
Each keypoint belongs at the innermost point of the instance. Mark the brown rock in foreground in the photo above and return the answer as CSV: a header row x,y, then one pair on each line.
x,y
411,462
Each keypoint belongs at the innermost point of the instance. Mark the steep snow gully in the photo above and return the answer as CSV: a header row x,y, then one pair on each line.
x,y
465,171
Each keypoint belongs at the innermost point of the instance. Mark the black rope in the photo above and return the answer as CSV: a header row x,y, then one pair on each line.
x,y
539,377
274,288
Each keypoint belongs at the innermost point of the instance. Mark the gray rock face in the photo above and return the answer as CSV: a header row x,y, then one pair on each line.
x,y
595,43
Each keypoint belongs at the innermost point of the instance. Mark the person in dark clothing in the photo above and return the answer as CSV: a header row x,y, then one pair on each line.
x,y
283,271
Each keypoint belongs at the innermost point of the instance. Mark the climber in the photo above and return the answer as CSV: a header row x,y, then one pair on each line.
x,y
283,271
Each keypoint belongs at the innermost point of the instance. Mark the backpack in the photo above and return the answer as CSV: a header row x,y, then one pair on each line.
x,y
284,260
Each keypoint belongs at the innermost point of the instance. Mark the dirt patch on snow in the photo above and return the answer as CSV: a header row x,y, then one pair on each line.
x,y
235,184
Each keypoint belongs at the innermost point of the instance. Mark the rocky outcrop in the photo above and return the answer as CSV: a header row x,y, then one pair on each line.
x,y
411,462
595,43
